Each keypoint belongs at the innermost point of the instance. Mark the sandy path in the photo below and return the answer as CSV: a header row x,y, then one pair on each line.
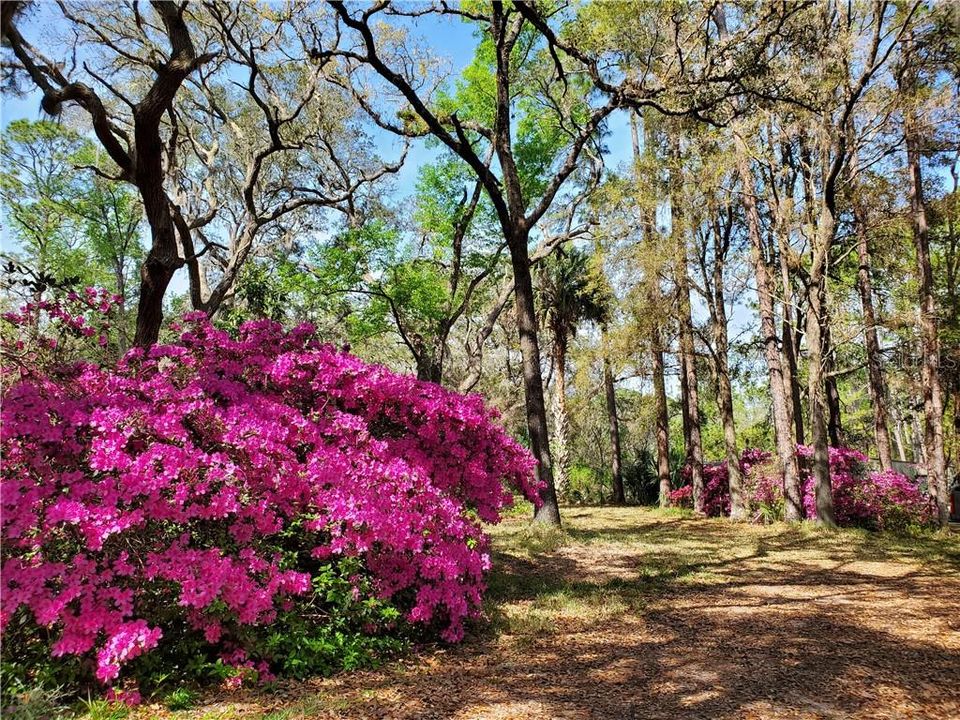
x,y
638,615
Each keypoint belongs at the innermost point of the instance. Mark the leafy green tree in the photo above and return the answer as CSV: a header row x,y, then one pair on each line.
x,y
569,295
40,186
69,222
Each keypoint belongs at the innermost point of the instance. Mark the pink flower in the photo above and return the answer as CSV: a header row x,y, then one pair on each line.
x,y
130,698
181,478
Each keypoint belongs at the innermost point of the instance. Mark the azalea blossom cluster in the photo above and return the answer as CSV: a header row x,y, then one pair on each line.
x,y
50,331
716,483
200,484
875,500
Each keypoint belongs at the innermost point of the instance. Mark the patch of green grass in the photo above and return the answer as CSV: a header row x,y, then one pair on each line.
x,y
528,538
37,703
284,714
313,705
104,710
181,698
229,713
521,508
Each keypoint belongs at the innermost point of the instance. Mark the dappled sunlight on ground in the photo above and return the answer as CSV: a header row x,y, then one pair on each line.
x,y
632,613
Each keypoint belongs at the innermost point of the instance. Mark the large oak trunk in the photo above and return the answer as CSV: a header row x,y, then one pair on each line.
x,y
164,259
549,510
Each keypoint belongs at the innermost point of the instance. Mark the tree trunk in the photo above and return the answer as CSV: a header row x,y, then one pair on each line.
x,y
689,363
655,299
614,424
428,369
663,418
930,368
783,431
917,444
877,385
738,505
789,340
163,259
561,450
834,417
684,405
898,436
816,387
549,510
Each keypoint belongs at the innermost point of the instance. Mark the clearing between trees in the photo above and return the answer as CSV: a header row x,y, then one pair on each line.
x,y
638,613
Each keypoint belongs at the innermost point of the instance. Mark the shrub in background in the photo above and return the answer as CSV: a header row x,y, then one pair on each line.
x,y
257,502
873,500
716,483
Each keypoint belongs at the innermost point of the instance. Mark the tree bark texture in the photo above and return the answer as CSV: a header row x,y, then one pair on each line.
x,y
783,431
877,384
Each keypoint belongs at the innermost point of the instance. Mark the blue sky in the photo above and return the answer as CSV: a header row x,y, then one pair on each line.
x,y
447,36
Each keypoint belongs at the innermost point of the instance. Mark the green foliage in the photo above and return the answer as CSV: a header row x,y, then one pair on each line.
x,y
67,221
569,293
69,224
181,698
356,628
349,628
105,710
27,672
34,703
543,110
586,486
640,482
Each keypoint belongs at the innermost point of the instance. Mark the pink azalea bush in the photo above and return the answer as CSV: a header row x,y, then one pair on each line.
x,y
874,500
219,487
716,494
53,332
716,484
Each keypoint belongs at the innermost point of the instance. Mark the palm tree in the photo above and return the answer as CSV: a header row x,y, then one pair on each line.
x,y
569,294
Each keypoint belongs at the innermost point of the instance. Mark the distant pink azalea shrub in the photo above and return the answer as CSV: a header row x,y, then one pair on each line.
x,y
874,500
716,492
716,483
208,487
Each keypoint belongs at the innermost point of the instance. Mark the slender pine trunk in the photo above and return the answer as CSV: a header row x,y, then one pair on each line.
x,y
738,504
877,384
614,423
662,417
933,442
688,362
834,412
783,430
561,452
790,344
816,371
